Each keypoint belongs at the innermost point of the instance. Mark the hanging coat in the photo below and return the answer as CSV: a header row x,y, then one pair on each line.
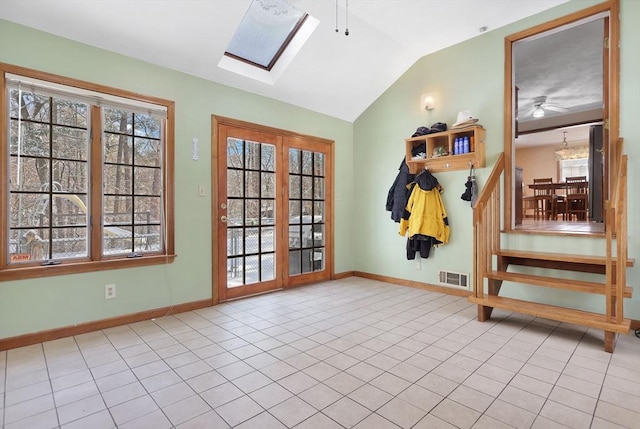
x,y
425,213
398,193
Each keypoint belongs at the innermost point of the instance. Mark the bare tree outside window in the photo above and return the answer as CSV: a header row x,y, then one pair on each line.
x,y
49,153
251,179
306,211
132,204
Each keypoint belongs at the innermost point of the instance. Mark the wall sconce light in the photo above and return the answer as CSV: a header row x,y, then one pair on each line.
x,y
428,101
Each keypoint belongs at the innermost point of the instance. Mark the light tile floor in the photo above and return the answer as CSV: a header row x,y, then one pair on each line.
x,y
350,353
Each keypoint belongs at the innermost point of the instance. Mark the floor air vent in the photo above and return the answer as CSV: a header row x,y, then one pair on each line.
x,y
454,279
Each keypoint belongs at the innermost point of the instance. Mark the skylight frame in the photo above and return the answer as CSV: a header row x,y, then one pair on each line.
x,y
283,46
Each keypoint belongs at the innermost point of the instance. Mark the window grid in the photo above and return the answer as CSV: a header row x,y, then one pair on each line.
x,y
306,225
37,237
56,153
133,241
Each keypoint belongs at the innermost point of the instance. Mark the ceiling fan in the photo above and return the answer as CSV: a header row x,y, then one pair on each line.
x,y
540,105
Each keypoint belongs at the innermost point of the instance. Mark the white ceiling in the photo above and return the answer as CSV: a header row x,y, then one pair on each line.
x,y
333,74
565,66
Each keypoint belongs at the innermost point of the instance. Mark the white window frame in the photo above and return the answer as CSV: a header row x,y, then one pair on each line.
x,y
573,167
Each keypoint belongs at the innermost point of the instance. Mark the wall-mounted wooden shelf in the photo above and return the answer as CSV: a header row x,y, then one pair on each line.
x,y
446,141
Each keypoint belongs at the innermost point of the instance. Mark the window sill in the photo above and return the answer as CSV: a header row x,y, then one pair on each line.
x,y
65,268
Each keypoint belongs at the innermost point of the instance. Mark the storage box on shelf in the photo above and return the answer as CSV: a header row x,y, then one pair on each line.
x,y
444,142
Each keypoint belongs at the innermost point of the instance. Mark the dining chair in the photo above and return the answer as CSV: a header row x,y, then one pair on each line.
x,y
577,198
543,198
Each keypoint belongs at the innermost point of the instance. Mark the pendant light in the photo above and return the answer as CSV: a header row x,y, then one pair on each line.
x,y
563,151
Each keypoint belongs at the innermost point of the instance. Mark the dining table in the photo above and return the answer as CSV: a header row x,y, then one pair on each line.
x,y
558,203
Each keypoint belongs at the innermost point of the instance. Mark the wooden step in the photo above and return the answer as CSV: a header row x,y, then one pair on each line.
x,y
555,282
562,261
583,259
561,314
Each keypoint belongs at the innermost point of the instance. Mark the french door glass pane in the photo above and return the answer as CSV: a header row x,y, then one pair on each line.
x,y
252,212
235,210
235,243
267,185
252,155
307,187
252,183
318,164
268,265
251,269
307,162
266,239
251,240
234,177
294,186
235,272
267,210
268,160
235,153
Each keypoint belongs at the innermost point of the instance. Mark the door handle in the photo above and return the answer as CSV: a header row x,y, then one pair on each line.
x,y
223,219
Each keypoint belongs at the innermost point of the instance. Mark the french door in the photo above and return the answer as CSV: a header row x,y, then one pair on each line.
x,y
272,222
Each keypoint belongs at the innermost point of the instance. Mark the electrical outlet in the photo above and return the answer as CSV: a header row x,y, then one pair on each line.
x,y
417,263
109,291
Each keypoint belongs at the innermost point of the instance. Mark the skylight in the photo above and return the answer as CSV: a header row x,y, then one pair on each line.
x,y
265,32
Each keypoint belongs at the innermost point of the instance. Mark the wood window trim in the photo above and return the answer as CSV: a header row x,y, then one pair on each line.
x,y
99,263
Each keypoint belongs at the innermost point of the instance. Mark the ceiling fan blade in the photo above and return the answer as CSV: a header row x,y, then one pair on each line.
x,y
554,108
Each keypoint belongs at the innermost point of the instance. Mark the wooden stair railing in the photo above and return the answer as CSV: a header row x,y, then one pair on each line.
x,y
616,226
486,237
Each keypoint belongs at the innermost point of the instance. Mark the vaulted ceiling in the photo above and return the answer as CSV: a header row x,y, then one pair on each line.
x,y
333,74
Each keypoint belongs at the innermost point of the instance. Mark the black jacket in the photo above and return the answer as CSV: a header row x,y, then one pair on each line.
x,y
398,193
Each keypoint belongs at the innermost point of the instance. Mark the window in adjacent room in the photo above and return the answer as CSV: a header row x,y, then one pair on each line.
x,y
574,167
86,177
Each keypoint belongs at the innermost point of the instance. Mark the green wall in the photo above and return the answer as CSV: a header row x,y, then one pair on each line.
x,y
470,76
51,302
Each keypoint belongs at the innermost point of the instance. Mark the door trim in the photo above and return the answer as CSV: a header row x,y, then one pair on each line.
x,y
611,98
287,282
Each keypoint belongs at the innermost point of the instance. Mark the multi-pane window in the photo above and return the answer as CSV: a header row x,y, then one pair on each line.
x,y
85,176
574,167
49,177
132,182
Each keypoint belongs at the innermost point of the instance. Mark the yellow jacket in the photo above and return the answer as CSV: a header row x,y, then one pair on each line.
x,y
425,214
